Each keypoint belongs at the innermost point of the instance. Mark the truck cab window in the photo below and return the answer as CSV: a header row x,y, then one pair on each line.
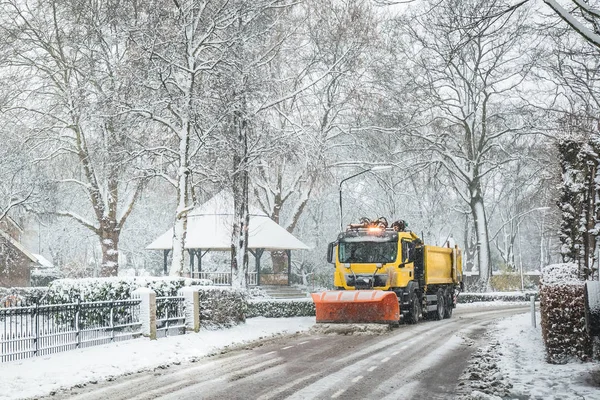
x,y
408,251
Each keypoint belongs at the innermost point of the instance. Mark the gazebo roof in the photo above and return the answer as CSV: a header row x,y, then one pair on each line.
x,y
209,227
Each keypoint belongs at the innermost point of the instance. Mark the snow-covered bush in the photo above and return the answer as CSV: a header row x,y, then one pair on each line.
x,y
222,307
278,308
495,296
21,295
563,314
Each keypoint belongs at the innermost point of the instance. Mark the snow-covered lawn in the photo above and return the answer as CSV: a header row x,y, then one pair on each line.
x,y
518,353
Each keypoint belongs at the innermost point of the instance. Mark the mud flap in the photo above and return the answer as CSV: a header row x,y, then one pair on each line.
x,y
357,306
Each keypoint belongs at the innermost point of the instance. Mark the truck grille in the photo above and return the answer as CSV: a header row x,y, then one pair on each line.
x,y
366,281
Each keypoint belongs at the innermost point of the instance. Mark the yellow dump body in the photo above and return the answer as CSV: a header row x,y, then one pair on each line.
x,y
442,265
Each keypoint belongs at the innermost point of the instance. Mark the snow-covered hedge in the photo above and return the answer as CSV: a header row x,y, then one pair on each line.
x,y
222,307
114,288
563,314
278,308
495,296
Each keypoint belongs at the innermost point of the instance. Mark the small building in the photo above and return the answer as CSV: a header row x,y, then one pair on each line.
x,y
15,260
209,230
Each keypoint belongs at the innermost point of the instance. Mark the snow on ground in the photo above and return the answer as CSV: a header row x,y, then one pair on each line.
x,y
512,366
523,360
41,375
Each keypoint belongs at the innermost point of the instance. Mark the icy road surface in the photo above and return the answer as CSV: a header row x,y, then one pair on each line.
x,y
422,361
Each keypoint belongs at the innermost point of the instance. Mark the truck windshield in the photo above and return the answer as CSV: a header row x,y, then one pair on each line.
x,y
368,252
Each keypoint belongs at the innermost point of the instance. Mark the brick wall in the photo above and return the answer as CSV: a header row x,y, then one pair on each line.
x,y
15,267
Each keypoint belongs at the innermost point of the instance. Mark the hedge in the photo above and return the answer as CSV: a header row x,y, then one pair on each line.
x,y
222,307
496,296
563,315
276,308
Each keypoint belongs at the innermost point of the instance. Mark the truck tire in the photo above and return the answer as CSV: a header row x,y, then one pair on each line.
x,y
592,307
441,305
449,304
415,309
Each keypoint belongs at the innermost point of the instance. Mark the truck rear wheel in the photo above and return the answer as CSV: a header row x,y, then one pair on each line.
x,y
441,305
449,304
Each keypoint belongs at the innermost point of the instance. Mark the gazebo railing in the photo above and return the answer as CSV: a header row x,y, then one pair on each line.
x,y
217,278
224,278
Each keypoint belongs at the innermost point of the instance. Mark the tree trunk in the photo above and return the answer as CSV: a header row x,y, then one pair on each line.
x,y
483,243
241,216
109,241
180,228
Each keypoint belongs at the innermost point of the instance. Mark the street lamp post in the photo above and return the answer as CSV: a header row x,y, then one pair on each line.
x,y
519,236
372,169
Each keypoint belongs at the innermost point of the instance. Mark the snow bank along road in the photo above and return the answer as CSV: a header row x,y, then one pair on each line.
x,y
420,361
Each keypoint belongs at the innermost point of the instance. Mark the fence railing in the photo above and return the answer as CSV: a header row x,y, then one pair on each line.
x,y
41,329
170,315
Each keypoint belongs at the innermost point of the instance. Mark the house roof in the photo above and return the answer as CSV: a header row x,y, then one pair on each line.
x,y
8,218
209,227
18,245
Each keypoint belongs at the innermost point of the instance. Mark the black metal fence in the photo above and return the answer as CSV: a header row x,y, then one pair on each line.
x,y
170,316
40,329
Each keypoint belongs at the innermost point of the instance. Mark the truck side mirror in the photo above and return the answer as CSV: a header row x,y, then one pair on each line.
x,y
330,248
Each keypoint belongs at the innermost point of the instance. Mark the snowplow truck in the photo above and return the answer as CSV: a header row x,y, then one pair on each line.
x,y
387,275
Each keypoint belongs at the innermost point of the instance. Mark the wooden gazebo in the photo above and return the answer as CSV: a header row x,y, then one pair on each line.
x,y
209,229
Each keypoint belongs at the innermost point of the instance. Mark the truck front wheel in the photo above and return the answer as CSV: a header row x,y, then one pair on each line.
x,y
415,309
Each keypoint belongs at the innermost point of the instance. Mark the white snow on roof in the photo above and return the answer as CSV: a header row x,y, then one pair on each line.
x,y
210,225
43,261
221,204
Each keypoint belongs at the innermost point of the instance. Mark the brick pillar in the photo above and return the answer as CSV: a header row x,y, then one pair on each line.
x,y
147,311
191,304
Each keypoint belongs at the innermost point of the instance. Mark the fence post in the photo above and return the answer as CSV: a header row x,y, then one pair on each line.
x,y
147,311
112,323
191,304
37,327
77,325
532,306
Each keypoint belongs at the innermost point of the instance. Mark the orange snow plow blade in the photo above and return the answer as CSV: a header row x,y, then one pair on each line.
x,y
363,306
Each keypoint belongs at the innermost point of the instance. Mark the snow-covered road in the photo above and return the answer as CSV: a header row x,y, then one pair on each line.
x,y
420,361
515,344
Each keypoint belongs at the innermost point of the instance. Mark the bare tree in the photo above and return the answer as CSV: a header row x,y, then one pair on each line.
x,y
183,42
465,68
70,61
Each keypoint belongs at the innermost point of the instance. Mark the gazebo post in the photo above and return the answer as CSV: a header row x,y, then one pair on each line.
x,y
165,260
199,255
257,255
289,257
191,252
